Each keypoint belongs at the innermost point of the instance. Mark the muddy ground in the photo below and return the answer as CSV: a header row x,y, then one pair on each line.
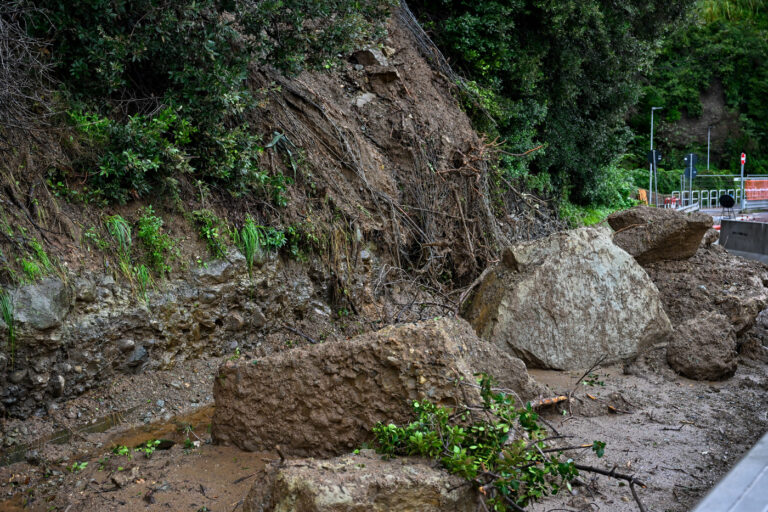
x,y
679,436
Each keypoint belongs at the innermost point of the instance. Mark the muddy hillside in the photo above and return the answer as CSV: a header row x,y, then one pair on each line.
x,y
387,323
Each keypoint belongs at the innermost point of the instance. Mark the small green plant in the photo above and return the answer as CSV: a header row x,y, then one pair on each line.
x,y
158,244
209,228
41,255
143,280
255,239
77,467
31,269
92,236
502,449
120,231
593,379
149,447
236,355
122,450
6,311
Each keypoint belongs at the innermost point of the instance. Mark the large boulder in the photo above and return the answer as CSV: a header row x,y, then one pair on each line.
x,y
41,305
653,234
356,483
324,399
565,301
704,348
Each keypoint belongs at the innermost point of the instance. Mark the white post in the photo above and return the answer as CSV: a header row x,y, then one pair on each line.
x,y
743,200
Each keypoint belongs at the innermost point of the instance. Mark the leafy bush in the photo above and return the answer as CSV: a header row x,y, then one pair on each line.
x,y
158,244
159,86
209,229
503,449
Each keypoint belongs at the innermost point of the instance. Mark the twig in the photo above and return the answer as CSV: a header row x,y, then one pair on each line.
x,y
613,474
576,386
299,333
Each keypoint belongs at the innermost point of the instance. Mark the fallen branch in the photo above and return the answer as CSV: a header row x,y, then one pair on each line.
x,y
299,333
621,476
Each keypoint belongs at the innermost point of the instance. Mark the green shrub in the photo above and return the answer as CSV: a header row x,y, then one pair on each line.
x,y
501,448
209,229
159,90
157,244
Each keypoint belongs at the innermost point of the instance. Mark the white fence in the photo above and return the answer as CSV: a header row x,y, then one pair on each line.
x,y
706,198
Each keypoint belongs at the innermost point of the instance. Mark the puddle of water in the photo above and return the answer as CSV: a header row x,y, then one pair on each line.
x,y
198,420
176,429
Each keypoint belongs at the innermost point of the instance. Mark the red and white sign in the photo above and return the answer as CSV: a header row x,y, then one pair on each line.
x,y
743,158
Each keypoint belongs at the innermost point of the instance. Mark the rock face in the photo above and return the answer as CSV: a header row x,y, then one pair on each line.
x,y
761,327
356,483
653,234
567,300
82,331
704,348
324,399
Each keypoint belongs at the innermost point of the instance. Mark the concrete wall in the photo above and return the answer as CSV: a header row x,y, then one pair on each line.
x,y
744,238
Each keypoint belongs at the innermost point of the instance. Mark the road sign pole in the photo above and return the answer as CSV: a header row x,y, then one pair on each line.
x,y
656,176
650,184
690,184
743,161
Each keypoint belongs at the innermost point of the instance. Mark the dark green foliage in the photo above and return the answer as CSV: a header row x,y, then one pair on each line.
x,y
502,450
563,72
210,228
157,244
160,85
725,42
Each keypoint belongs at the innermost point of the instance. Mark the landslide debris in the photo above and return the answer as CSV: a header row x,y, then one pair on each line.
x,y
324,399
568,300
352,483
704,348
653,234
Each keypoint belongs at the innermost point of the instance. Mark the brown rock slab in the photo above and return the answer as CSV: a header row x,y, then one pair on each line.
x,y
652,234
704,348
357,483
324,399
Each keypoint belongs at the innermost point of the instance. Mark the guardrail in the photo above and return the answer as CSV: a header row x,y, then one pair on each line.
x,y
755,191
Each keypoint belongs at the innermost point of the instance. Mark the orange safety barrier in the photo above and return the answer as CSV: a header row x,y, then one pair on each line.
x,y
755,190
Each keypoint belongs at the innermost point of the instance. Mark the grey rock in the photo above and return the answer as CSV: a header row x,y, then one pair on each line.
x,y
365,255
565,301
257,318
58,385
138,359
42,305
370,57
364,99
17,376
85,290
126,345
359,67
160,403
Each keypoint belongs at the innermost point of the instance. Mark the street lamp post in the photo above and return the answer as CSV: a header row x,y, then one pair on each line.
x,y
652,174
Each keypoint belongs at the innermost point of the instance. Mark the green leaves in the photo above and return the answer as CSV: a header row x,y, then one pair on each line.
x,y
480,450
